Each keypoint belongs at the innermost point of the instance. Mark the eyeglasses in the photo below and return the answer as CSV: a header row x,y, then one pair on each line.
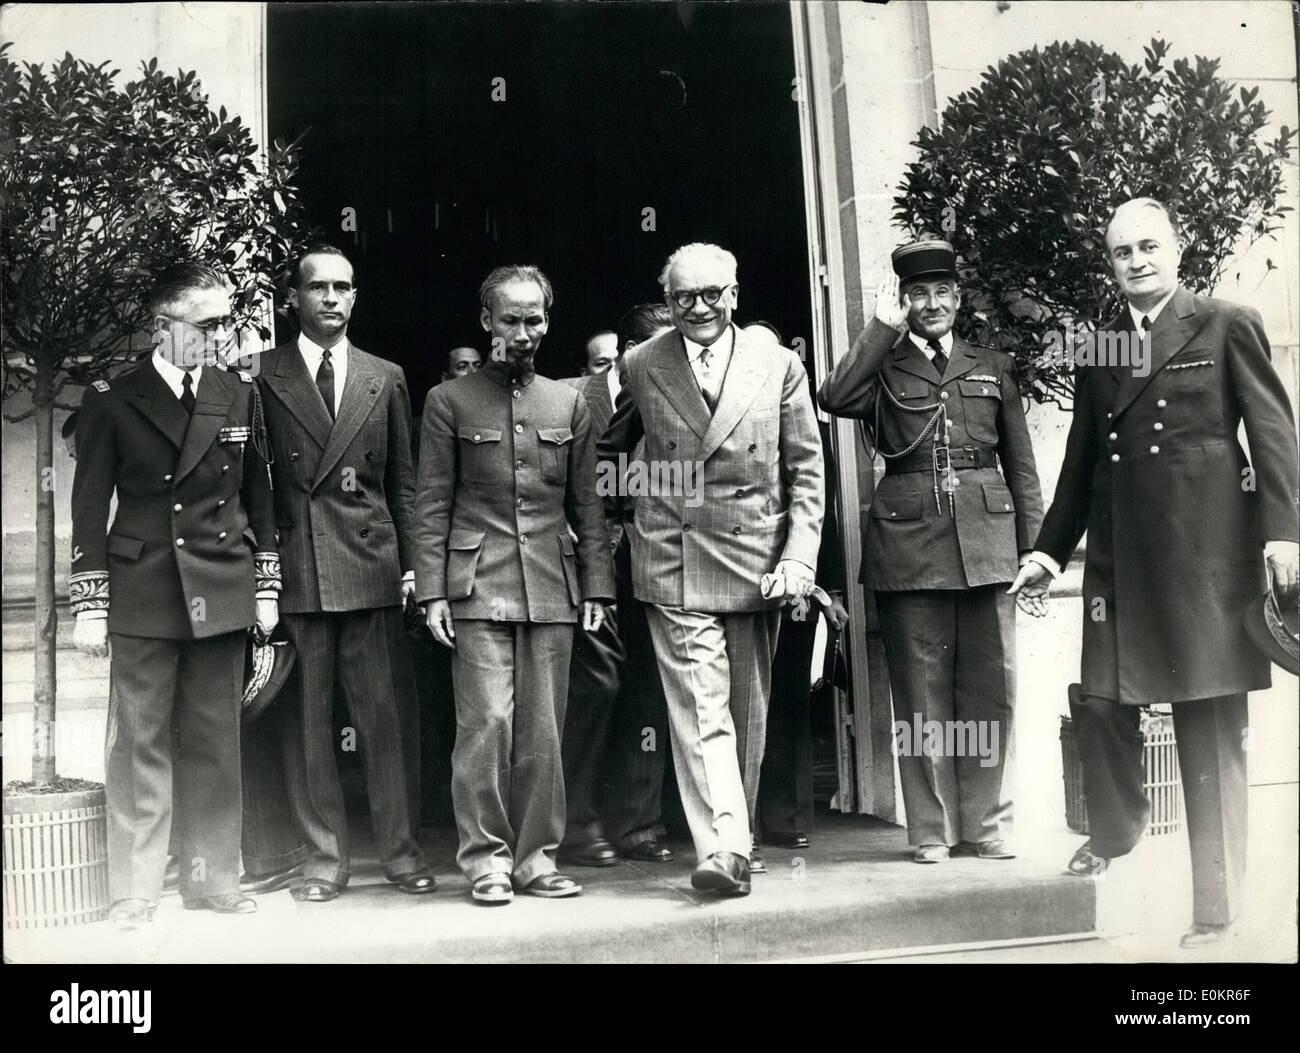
x,y
685,298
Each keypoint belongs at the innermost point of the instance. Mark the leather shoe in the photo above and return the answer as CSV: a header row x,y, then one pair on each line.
x,y
995,849
1085,864
930,854
128,914
1202,936
316,890
793,842
597,853
649,852
416,883
261,884
230,903
724,872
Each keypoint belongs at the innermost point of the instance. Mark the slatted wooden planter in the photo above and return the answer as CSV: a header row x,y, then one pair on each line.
x,y
1161,779
55,859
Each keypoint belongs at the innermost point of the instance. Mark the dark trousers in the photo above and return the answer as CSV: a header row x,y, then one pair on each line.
x,y
952,660
507,783
199,683
785,788
1209,732
594,674
355,651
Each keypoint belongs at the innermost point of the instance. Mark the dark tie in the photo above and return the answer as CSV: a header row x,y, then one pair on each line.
x,y
187,392
1146,324
325,382
940,359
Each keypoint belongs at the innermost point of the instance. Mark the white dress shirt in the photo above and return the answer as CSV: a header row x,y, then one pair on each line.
x,y
312,354
719,358
614,383
1152,314
945,342
174,376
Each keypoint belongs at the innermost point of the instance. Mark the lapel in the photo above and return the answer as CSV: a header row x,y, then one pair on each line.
x,y
960,362
911,359
1176,325
296,388
671,372
211,407
361,391
603,408
155,400
746,374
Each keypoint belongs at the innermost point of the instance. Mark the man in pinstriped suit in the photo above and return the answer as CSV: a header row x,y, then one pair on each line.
x,y
736,410
340,427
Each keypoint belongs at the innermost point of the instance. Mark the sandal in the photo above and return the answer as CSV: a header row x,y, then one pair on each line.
x,y
493,888
552,886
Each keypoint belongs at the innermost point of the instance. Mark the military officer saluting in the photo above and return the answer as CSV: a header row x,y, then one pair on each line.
x,y
957,508
510,545
187,566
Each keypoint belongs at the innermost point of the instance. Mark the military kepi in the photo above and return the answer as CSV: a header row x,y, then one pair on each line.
x,y
929,258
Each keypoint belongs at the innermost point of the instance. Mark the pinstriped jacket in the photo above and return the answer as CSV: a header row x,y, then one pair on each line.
x,y
344,490
760,498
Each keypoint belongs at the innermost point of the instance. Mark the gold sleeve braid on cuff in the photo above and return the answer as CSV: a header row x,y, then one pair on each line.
x,y
88,591
266,572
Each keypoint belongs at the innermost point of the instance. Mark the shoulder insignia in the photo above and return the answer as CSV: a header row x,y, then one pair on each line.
x,y
100,385
243,376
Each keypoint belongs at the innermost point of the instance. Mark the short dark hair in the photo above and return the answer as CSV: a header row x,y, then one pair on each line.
x,y
641,322
314,248
515,272
178,279
462,347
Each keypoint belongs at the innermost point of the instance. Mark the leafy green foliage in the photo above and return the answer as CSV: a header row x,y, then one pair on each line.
x,y
1026,168
101,187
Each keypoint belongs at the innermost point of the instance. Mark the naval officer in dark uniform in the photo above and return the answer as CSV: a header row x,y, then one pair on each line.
x,y
510,546
958,508
188,564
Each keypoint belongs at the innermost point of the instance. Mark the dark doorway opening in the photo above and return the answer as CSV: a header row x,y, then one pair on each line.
x,y
600,112
590,139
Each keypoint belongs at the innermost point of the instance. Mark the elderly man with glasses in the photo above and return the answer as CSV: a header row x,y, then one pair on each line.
x,y
730,416
186,567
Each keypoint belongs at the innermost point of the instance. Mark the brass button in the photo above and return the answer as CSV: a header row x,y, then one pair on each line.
x,y
984,391
167,478
943,394
221,536
520,502
516,393
1155,449
1161,404
753,446
176,508
1114,457
519,427
364,531
1158,426
221,503
519,466
294,456
1006,507
893,515
740,493
1112,436
1109,415
735,530
686,527
523,539
477,436
180,542
225,467
672,444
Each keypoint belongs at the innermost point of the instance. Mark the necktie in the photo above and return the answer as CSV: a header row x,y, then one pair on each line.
x,y
940,359
707,387
325,382
1146,324
187,392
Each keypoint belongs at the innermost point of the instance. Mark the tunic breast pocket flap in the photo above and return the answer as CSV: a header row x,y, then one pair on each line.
x,y
128,548
553,443
980,389
896,506
997,498
479,446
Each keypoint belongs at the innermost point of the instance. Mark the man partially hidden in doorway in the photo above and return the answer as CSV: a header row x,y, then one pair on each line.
x,y
510,547
946,534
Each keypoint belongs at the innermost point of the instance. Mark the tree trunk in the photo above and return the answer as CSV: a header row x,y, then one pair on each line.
x,y
46,616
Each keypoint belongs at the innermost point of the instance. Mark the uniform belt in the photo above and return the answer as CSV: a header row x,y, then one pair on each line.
x,y
961,457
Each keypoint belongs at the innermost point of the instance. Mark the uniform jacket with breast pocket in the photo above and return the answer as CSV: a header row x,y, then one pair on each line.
x,y
344,488
912,541
194,535
507,482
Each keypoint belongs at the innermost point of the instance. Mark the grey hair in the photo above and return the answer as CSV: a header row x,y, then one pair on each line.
x,y
698,248
1146,202
515,272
